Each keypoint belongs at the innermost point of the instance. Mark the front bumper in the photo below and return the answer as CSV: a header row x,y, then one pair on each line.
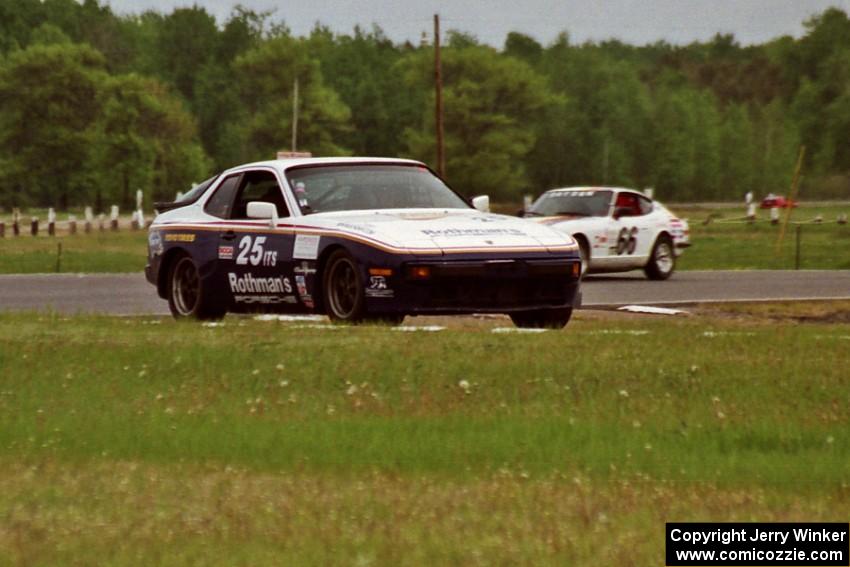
x,y
484,286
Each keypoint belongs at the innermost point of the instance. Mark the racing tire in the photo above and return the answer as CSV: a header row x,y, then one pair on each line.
x,y
662,260
343,290
188,296
584,252
543,318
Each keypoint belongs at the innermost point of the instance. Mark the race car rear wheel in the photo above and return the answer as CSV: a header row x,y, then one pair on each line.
x,y
343,288
662,261
543,318
188,296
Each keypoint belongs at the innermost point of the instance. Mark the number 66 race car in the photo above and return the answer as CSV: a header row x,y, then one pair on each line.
x,y
357,239
617,230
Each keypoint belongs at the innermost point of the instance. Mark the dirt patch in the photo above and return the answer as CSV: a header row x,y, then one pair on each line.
x,y
804,312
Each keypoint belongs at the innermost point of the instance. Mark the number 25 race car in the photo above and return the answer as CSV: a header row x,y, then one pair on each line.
x,y
617,230
357,239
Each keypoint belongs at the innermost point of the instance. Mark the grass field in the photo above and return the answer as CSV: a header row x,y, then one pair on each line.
x,y
718,245
727,243
138,441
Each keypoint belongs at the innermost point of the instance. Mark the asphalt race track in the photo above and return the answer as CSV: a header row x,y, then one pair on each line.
x,y
130,294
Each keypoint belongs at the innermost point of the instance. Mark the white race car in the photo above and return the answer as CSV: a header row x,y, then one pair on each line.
x,y
356,239
617,229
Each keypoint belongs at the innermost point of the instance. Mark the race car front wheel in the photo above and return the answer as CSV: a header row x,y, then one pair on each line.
x,y
662,261
543,318
343,288
188,296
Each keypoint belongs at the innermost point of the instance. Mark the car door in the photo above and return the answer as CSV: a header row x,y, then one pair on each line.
x,y
627,232
255,259
646,223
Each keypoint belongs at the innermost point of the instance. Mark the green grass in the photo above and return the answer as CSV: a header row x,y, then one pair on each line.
x,y
136,441
124,251
718,245
739,245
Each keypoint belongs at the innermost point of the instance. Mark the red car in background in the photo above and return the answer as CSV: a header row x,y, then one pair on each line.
x,y
776,202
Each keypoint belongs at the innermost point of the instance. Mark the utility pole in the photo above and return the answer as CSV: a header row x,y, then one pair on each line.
x,y
605,161
792,197
438,97
295,115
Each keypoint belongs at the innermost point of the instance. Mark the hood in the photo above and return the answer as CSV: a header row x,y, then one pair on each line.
x,y
446,229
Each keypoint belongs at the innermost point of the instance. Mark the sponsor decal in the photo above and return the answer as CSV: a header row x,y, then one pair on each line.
x,y
306,247
264,299
574,193
460,232
155,243
305,268
355,227
251,251
248,283
301,286
225,252
378,287
179,237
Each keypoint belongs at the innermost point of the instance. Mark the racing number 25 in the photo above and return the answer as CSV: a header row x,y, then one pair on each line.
x,y
627,240
255,254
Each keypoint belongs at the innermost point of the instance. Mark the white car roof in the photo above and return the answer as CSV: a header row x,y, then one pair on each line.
x,y
282,164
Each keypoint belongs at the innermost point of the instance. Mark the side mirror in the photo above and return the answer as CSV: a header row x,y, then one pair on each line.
x,y
622,212
262,210
482,203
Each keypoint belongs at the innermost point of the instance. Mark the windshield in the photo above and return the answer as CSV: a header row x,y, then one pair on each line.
x,y
369,186
566,202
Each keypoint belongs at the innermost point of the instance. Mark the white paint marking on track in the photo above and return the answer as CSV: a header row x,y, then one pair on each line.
x,y
651,310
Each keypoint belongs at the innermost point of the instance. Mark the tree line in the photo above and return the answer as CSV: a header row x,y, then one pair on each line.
x,y
95,105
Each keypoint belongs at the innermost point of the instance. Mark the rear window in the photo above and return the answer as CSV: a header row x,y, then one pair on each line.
x,y
195,192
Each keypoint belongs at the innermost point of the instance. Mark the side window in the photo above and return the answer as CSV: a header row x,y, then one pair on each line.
x,y
645,205
219,203
259,186
629,201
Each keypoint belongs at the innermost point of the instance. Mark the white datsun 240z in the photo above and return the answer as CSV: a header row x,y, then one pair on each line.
x,y
617,229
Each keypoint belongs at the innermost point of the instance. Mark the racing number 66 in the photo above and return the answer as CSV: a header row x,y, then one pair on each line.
x,y
627,240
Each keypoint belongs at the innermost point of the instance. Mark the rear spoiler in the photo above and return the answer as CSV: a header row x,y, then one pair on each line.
x,y
162,206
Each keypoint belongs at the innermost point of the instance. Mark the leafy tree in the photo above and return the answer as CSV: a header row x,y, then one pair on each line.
x,y
50,108
490,105
146,140
264,78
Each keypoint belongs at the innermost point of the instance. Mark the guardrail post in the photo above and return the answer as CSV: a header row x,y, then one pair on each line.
x,y
2,229
113,218
34,226
51,222
89,218
72,224
16,222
